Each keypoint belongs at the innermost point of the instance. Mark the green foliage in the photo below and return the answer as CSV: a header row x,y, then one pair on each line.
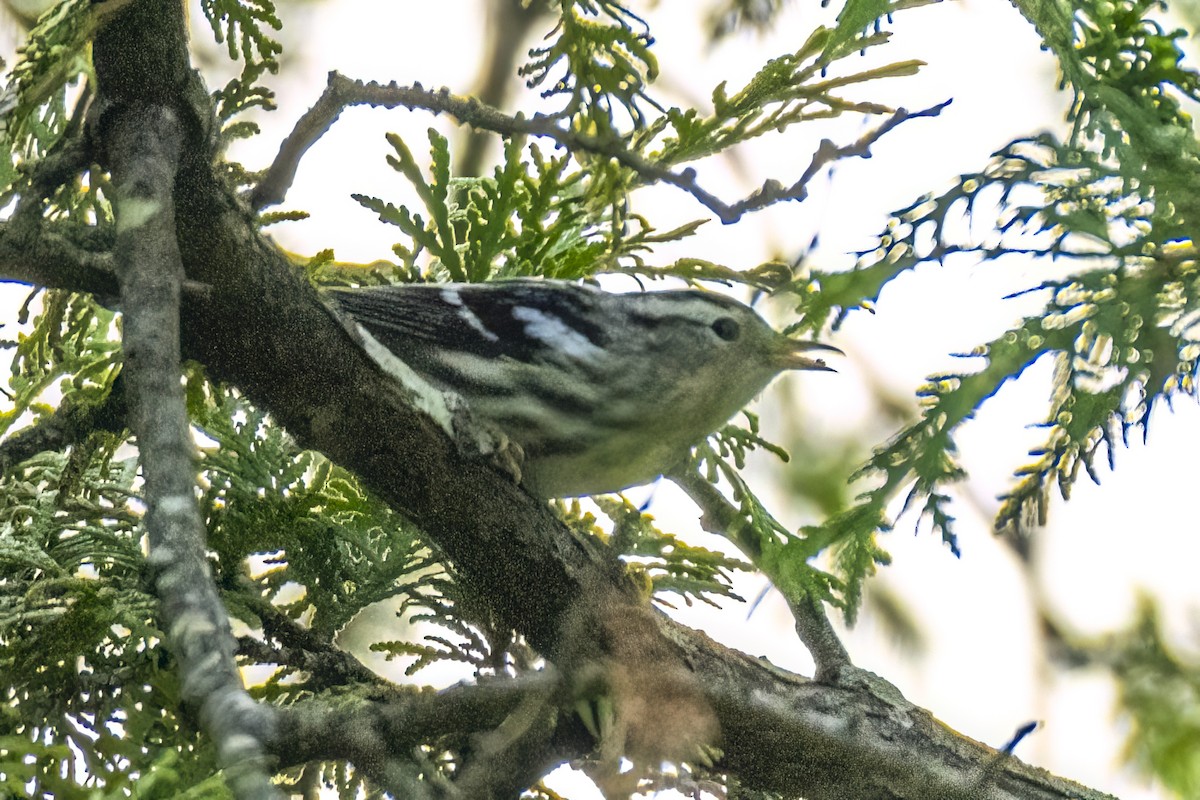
x,y
855,17
54,52
569,216
786,558
669,563
239,96
790,89
70,347
242,26
438,236
300,548
460,629
603,56
1160,691
306,521
77,633
33,113
87,689
1114,206
528,218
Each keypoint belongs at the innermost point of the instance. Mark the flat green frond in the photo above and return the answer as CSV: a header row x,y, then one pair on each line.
x,y
855,17
323,543
735,442
33,101
80,652
72,343
533,216
788,90
786,558
599,60
1128,345
242,26
454,628
1121,324
922,457
670,564
1130,82
240,95
854,536
1035,198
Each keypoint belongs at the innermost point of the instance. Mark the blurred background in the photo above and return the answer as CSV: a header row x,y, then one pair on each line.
x,y
964,637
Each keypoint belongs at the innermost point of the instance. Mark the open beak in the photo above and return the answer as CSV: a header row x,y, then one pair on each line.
x,y
793,355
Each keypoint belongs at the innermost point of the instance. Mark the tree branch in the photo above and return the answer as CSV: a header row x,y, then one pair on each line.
x,y
142,143
721,517
47,255
381,734
69,424
854,741
516,752
341,92
294,645
143,151
860,739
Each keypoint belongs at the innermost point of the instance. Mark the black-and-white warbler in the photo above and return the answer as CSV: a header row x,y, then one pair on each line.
x,y
601,391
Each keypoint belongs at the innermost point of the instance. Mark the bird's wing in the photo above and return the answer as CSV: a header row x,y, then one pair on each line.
x,y
514,319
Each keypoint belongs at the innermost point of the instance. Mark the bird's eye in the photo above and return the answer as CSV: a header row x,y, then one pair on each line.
x,y
727,328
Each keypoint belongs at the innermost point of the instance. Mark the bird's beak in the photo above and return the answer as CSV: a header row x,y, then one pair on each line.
x,y
792,355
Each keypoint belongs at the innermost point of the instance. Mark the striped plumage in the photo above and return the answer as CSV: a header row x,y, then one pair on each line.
x,y
602,391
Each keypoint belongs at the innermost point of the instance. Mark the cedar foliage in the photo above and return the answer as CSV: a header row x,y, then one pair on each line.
x,y
297,544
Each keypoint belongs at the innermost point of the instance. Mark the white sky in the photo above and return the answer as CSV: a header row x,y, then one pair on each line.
x,y
981,674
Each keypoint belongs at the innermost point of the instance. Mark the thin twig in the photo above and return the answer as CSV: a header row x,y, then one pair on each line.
x,y
342,92
721,517
508,758
300,647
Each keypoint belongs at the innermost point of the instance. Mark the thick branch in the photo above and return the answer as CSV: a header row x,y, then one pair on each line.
x,y
290,643
382,733
860,739
69,424
793,736
143,152
142,143
46,255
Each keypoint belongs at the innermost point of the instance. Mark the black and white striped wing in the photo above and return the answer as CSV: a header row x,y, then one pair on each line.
x,y
526,355
519,320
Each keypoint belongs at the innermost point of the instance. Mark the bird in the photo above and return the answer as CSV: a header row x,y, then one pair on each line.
x,y
601,391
